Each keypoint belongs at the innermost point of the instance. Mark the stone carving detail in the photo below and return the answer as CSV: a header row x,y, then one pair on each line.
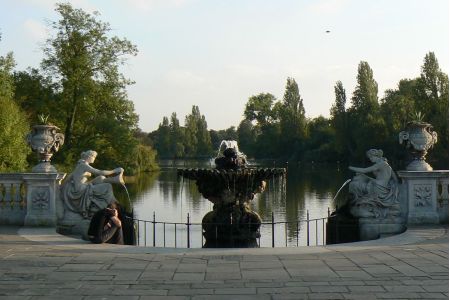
x,y
374,197
45,140
418,138
422,195
40,198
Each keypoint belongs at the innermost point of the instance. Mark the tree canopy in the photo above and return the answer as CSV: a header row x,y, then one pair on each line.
x,y
278,128
81,89
13,122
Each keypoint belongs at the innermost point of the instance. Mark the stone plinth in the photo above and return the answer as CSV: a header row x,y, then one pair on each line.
x,y
426,194
42,189
72,223
372,228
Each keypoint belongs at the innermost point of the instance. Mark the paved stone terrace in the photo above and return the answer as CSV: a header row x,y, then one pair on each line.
x,y
39,264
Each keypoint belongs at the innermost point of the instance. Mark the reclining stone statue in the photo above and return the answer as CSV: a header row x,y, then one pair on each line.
x,y
84,197
374,197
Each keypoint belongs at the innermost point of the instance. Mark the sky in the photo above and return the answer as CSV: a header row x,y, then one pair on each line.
x,y
216,54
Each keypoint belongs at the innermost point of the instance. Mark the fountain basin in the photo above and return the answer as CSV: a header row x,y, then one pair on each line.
x,y
231,223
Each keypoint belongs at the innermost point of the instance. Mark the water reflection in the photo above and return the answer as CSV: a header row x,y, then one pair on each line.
x,y
307,188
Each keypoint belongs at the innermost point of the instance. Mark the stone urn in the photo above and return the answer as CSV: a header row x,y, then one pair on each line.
x,y
45,140
418,138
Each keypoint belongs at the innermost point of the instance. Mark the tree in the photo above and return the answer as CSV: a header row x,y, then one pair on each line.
x,y
320,145
80,56
433,89
197,138
246,137
176,137
339,120
162,138
145,158
13,123
365,121
262,111
36,94
217,136
397,106
204,147
94,110
365,96
292,120
434,82
259,108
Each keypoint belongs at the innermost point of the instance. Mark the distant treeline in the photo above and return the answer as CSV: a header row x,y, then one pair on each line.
x,y
80,89
278,129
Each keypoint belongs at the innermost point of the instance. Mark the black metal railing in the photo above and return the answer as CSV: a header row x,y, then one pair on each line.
x,y
305,232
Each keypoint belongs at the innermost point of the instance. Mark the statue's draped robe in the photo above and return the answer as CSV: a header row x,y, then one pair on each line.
x,y
84,197
378,200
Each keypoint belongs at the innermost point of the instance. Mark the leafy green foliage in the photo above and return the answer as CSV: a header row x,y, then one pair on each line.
x,y
366,125
13,123
260,108
83,92
91,104
279,129
193,140
321,142
427,94
217,136
246,136
339,121
292,120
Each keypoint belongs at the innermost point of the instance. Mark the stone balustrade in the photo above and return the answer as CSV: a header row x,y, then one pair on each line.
x,y
29,198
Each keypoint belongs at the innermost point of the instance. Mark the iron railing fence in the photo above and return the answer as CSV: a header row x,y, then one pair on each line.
x,y
306,232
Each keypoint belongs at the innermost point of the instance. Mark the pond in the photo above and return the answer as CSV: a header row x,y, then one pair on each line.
x,y
308,189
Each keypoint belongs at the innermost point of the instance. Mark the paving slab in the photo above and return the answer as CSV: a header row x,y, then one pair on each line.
x,y
37,263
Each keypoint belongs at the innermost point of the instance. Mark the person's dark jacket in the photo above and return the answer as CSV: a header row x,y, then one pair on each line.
x,y
100,232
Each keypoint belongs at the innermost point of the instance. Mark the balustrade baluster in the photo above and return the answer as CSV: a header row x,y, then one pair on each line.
x,y
1,195
7,187
175,235
16,196
164,234
307,228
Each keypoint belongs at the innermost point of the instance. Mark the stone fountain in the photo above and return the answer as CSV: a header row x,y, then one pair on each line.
x,y
231,186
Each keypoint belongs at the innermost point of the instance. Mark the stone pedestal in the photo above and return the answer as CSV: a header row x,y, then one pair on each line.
x,y
73,224
372,228
44,167
42,191
427,196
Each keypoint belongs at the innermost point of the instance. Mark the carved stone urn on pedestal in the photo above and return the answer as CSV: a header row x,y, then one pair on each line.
x,y
418,138
45,140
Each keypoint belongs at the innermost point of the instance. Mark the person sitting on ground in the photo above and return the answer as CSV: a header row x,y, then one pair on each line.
x,y
105,226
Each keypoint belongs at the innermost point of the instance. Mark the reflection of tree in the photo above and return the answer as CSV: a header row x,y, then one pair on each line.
x,y
169,186
321,181
304,183
192,194
136,186
174,188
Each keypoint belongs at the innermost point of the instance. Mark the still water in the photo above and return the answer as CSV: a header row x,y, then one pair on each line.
x,y
308,188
